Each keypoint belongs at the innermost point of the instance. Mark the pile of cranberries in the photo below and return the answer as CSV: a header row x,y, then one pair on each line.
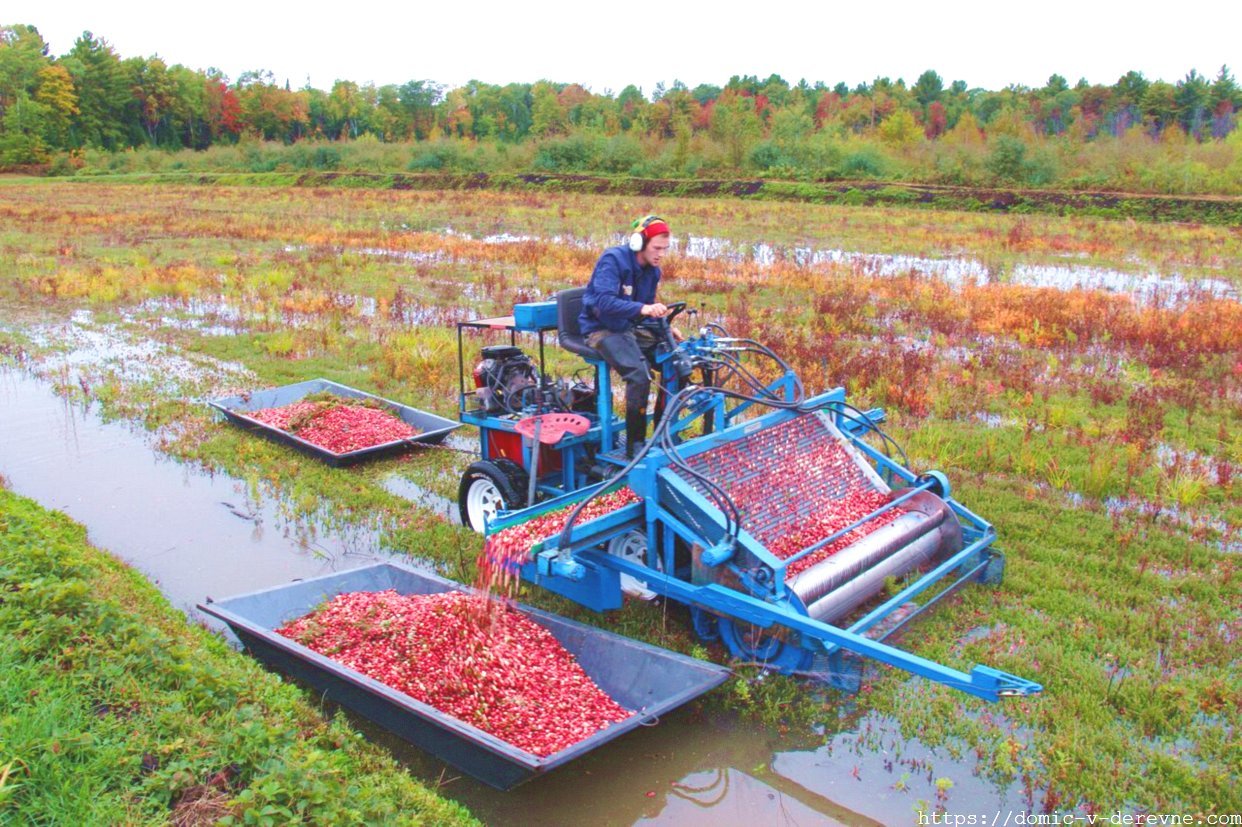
x,y
475,659
337,426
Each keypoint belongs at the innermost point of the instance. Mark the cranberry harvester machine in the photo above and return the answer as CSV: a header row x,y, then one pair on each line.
x,y
783,521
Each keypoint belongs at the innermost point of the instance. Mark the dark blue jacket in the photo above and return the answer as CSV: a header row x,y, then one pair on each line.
x,y
617,291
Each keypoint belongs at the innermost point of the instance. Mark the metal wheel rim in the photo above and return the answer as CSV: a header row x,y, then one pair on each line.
x,y
483,500
755,644
630,546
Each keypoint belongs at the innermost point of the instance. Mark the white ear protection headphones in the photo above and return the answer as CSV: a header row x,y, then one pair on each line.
x,y
637,240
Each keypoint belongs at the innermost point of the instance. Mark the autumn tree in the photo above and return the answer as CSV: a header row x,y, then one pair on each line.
x,y
632,106
1191,97
56,94
548,116
154,95
23,54
736,125
900,129
936,121
388,122
267,110
221,108
1226,100
705,93
457,119
1159,106
828,108
346,110
1052,105
418,99
966,132
21,132
928,89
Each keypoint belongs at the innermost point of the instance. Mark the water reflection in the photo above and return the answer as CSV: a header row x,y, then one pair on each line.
x,y
81,351
1165,290
698,769
193,533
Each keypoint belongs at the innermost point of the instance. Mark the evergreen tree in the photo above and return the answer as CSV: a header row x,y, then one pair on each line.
x,y
103,94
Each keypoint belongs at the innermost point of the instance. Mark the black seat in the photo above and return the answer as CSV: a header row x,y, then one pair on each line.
x,y
568,308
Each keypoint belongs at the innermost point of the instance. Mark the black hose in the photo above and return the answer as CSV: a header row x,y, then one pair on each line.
x,y
865,420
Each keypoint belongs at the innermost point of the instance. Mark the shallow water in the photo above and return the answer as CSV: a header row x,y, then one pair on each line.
x,y
1144,284
194,534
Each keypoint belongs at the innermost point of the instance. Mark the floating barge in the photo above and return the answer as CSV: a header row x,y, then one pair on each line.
x,y
432,429
648,679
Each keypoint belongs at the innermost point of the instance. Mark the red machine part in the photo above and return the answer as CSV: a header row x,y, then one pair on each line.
x,y
508,444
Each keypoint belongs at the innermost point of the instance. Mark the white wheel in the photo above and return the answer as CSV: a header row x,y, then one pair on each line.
x,y
488,487
483,500
632,546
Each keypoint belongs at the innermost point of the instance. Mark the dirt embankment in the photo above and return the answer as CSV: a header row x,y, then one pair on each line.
x,y
1223,210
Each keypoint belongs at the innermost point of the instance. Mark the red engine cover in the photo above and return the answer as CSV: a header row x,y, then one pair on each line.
x,y
509,445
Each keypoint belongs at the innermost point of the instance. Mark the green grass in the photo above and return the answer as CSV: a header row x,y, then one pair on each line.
x,y
114,709
1134,645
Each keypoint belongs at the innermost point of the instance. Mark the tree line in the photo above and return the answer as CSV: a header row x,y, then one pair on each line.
x,y
91,98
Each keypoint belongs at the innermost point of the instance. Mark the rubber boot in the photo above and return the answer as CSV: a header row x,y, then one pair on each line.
x,y
635,432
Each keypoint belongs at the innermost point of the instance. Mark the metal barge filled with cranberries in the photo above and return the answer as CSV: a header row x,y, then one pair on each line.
x,y
501,691
332,422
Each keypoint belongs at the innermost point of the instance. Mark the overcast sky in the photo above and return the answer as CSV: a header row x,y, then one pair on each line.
x,y
605,46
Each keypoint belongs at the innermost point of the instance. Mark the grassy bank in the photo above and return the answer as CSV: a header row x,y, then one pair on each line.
x,y
115,710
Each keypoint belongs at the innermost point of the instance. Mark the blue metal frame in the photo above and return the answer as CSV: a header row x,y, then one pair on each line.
x,y
584,572
574,451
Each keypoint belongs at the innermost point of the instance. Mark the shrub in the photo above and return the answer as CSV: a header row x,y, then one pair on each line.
x,y
866,162
1007,160
575,153
620,154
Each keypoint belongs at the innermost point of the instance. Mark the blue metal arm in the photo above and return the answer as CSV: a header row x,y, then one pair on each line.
x,y
982,681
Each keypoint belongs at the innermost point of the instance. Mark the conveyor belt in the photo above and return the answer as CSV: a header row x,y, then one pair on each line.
x,y
779,477
797,483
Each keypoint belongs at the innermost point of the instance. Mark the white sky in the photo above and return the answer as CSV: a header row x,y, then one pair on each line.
x,y
605,46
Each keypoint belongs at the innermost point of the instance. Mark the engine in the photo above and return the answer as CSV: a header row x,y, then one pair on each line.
x,y
505,380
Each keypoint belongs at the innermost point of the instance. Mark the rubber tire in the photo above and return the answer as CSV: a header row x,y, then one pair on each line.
x,y
740,640
705,624
506,477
